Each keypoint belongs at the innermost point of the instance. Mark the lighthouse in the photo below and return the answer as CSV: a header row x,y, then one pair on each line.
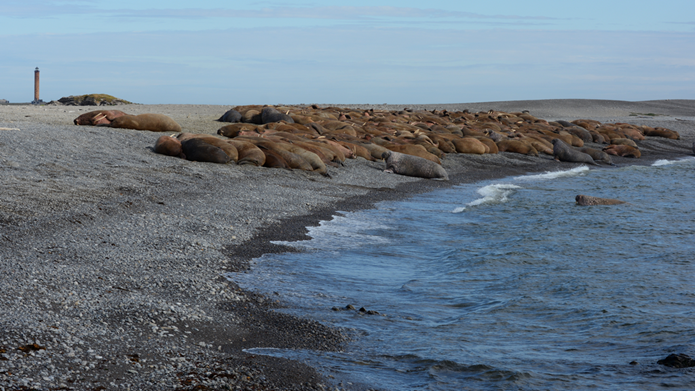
x,y
36,100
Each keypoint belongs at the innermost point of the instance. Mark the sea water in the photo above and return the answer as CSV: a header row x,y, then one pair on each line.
x,y
506,284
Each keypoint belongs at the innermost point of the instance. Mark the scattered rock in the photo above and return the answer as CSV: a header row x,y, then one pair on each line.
x,y
677,361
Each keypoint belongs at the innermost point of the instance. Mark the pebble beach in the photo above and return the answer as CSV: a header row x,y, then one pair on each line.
x,y
113,256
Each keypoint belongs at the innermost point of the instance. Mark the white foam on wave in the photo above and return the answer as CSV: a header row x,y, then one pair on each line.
x,y
341,232
492,194
664,162
554,174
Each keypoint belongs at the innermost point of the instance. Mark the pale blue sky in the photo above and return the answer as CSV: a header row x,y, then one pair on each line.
x,y
224,52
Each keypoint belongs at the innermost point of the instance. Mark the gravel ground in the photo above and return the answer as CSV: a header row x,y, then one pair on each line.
x,y
113,256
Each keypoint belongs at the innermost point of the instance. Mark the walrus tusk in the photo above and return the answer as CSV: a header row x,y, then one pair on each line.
x,y
9,128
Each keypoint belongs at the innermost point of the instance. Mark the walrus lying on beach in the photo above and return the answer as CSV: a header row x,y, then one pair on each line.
x,y
170,146
98,117
198,150
660,132
564,153
622,150
517,146
597,155
585,200
400,163
230,115
151,122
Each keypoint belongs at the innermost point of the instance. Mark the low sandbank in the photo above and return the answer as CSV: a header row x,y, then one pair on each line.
x,y
113,256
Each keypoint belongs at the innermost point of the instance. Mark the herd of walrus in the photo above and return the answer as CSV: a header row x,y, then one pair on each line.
x,y
409,142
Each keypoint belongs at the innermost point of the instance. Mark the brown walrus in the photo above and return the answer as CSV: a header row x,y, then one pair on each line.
x,y
151,122
98,117
404,164
469,145
248,152
662,132
623,141
517,146
622,150
170,146
586,200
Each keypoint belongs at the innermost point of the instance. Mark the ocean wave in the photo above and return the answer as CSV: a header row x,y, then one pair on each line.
x,y
342,232
492,194
664,162
554,174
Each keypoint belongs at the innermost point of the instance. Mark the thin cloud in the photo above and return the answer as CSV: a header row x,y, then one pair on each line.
x,y
48,8
331,13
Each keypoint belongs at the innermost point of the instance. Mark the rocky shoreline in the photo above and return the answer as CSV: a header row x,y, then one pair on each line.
x,y
113,255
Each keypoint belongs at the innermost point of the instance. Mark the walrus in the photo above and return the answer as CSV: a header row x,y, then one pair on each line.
x,y
270,114
170,146
597,155
403,164
661,132
517,146
578,131
198,150
469,145
235,130
248,152
274,160
623,141
564,153
230,115
98,117
223,144
151,122
489,143
414,150
586,200
622,150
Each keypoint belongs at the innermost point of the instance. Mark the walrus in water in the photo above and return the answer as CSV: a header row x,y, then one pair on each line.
x,y
151,122
98,117
564,153
585,200
404,164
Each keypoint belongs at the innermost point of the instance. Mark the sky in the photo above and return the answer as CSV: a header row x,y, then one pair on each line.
x,y
358,52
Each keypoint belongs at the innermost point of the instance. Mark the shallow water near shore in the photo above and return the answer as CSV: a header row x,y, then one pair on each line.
x,y
506,284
